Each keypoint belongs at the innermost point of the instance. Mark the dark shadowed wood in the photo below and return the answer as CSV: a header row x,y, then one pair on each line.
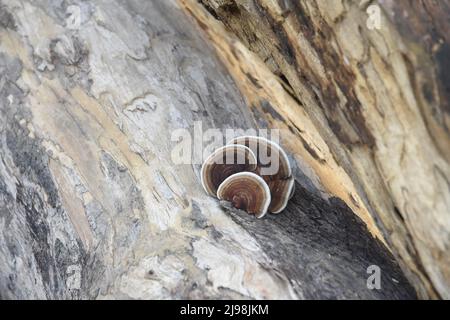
x,y
326,249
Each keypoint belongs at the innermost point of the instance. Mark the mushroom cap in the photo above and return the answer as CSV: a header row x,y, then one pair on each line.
x,y
246,191
224,162
281,191
280,182
264,151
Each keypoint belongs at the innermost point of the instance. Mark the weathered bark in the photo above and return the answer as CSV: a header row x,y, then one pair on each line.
x,y
92,205
379,98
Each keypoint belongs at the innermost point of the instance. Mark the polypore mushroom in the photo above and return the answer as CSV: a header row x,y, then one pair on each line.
x,y
246,191
273,167
281,191
292,191
266,152
224,162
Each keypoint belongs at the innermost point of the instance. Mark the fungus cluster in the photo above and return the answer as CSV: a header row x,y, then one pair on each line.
x,y
253,173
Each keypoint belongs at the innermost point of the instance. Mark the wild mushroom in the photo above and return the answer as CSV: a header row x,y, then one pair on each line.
x,y
292,191
224,162
273,167
246,191
272,160
281,191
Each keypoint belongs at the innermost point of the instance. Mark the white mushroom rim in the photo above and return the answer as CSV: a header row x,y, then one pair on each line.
x,y
219,151
269,142
251,175
292,190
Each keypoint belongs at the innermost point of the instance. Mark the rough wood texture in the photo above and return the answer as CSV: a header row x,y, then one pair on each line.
x,y
379,98
92,206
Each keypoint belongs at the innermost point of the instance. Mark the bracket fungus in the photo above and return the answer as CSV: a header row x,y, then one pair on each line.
x,y
225,162
246,191
271,158
273,166
251,172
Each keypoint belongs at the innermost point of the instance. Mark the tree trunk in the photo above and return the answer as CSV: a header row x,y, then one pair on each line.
x,y
92,204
